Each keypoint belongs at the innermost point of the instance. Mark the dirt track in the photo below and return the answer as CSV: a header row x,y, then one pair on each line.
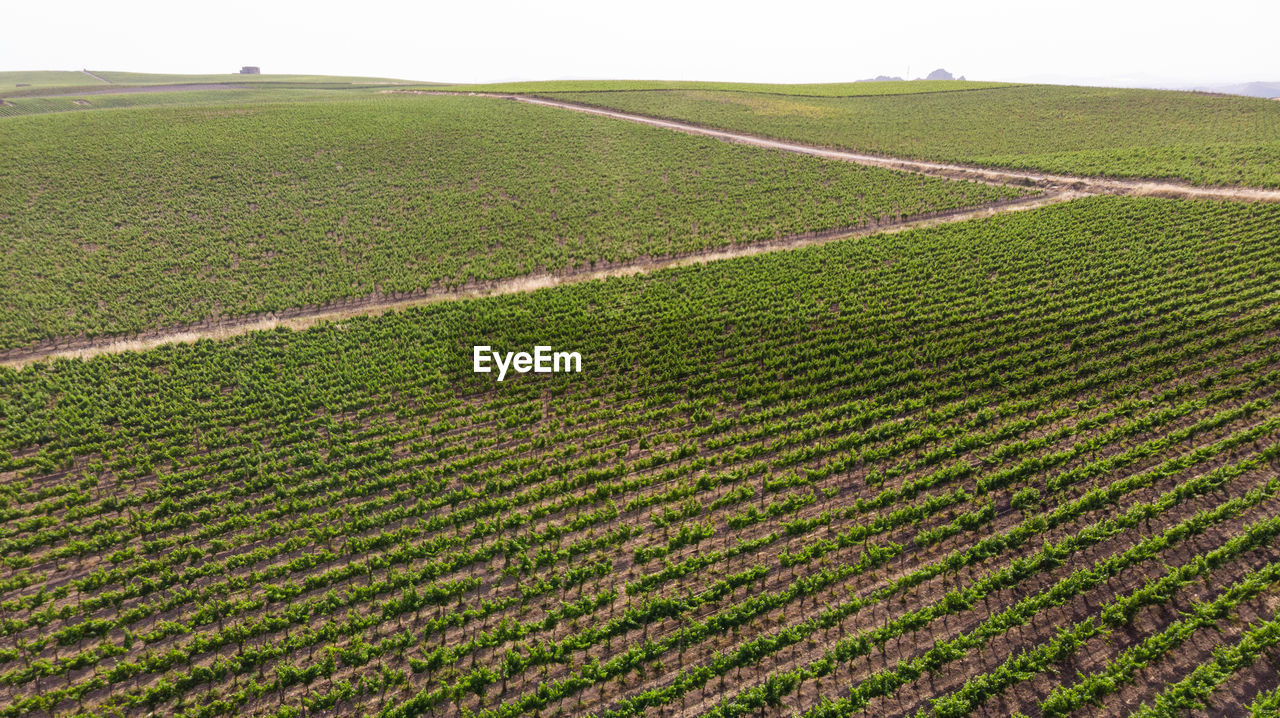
x,y
301,319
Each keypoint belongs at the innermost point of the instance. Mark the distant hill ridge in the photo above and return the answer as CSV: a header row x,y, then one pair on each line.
x,y
938,74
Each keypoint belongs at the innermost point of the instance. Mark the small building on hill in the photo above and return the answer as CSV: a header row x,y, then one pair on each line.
x,y
250,70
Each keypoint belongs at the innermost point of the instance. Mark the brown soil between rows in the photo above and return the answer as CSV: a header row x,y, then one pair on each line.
x,y
917,695
940,519
880,614
1232,699
1150,623
629,457
876,619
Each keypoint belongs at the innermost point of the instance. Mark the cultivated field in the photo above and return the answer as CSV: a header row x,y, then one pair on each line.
x,y
59,81
185,97
833,89
178,215
1200,139
1019,464
855,434
12,81
156,78
32,93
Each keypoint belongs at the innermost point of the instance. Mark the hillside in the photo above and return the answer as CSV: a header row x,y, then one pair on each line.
x,y
1203,140
31,93
934,399
178,215
43,80
834,89
986,451
39,82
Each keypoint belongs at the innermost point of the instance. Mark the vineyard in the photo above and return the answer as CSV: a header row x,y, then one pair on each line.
x,y
23,81
1028,464
830,89
25,84
160,78
1148,134
177,215
251,95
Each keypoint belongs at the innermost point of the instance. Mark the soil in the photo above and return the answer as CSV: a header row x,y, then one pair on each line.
x,y
1233,697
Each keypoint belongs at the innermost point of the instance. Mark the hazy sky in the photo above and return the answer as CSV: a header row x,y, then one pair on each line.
x,y
1104,42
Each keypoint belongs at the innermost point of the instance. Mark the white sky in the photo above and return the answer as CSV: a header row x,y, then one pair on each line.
x,y
1086,41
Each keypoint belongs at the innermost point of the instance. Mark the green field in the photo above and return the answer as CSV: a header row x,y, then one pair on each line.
x,y
153,78
1200,139
1020,464
57,91
37,79
1007,463
90,91
37,82
152,217
15,106
831,89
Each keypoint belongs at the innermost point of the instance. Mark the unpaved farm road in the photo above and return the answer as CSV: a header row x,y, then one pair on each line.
x,y
1058,188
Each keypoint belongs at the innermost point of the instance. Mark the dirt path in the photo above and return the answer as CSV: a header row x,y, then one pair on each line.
x,y
96,77
87,348
1093,185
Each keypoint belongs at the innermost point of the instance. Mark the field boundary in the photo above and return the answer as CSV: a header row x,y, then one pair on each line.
x,y
302,318
988,175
